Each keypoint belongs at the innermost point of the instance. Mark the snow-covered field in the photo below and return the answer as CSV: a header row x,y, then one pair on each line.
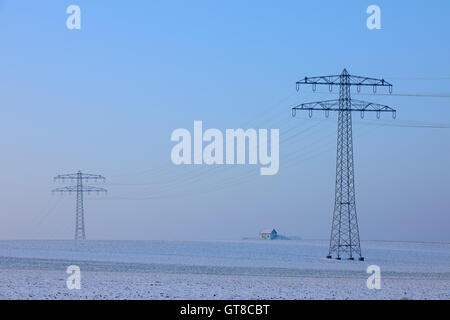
x,y
220,270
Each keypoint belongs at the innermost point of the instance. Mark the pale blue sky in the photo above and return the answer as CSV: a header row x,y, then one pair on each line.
x,y
106,98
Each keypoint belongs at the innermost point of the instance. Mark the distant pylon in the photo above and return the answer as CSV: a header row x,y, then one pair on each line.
x,y
344,237
80,188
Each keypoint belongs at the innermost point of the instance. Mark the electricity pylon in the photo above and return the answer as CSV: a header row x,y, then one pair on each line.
x,y
344,237
79,188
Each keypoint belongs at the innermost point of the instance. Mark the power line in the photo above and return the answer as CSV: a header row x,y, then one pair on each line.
x,y
417,95
420,78
398,123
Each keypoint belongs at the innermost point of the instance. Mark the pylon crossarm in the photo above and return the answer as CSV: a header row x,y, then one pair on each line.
x,y
366,81
350,80
323,80
84,176
335,105
358,105
353,81
319,105
76,189
87,176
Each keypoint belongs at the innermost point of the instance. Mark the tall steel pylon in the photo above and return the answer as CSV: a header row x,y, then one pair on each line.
x,y
344,239
79,188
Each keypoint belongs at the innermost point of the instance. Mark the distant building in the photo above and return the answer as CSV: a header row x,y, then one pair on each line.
x,y
268,234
